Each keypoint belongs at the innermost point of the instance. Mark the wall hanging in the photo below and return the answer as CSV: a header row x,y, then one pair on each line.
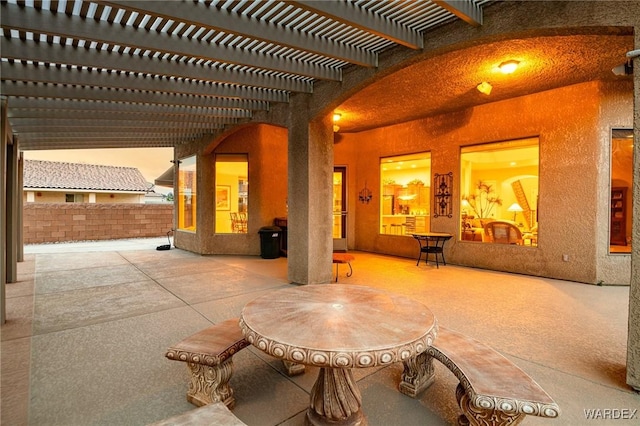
x,y
365,195
442,195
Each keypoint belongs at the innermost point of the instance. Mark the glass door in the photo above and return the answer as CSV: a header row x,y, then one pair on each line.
x,y
339,208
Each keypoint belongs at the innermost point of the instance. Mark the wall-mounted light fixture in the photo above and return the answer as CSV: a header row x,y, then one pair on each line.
x,y
623,69
484,88
365,195
509,67
336,118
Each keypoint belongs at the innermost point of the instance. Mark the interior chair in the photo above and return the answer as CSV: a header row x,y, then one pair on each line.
x,y
234,222
242,222
501,232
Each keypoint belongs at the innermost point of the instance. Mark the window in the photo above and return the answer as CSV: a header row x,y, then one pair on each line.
x,y
406,191
621,191
232,193
74,198
499,187
187,195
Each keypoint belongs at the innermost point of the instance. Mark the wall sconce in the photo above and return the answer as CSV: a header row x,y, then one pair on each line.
x,y
509,67
515,208
484,88
336,118
442,197
365,195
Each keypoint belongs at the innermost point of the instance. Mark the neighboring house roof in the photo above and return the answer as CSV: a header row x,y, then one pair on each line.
x,y
58,175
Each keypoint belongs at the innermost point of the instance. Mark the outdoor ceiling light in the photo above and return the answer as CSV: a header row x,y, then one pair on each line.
x,y
508,67
624,69
336,118
484,87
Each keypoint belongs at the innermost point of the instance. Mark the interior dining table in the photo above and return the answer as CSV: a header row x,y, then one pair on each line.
x,y
338,328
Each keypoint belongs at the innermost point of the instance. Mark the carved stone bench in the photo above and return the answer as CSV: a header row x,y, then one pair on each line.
x,y
217,414
208,354
492,390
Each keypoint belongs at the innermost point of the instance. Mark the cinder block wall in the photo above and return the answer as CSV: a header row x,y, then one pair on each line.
x,y
57,222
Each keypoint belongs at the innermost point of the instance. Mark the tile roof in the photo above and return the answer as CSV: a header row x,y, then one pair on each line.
x,y
59,175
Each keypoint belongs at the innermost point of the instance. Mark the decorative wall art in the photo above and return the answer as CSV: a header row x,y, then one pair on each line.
x,y
442,185
223,195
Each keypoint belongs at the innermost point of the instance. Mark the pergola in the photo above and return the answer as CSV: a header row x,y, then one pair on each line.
x,y
95,74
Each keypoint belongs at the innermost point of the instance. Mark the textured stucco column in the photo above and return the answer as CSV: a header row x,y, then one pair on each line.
x,y
205,211
12,211
20,211
3,207
633,340
310,171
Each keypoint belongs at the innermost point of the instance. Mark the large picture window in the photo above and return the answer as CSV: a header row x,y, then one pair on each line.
x,y
499,187
232,193
406,192
187,194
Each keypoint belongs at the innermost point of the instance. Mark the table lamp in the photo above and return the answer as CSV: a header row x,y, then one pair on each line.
x,y
515,208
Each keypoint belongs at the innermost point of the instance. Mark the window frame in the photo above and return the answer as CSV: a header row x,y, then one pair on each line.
x,y
188,164
503,188
232,217
405,205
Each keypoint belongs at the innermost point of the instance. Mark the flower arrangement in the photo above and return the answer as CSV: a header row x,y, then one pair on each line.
x,y
483,201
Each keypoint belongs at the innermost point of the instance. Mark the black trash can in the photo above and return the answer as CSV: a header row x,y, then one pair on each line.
x,y
270,242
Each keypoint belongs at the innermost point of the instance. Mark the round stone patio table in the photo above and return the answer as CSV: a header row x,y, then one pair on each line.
x,y
338,328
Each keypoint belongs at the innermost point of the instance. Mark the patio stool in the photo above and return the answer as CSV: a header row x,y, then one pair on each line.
x,y
208,355
339,258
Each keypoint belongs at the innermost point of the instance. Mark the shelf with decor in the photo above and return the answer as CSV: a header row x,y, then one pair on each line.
x,y
618,231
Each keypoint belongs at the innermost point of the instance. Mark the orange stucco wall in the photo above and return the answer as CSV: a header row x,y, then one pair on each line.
x,y
572,164
573,125
266,148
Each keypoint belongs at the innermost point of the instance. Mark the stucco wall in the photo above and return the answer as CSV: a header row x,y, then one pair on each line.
x,y
573,126
616,112
266,147
53,222
569,124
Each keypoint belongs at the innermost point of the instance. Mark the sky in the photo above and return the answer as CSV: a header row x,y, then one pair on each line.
x,y
152,162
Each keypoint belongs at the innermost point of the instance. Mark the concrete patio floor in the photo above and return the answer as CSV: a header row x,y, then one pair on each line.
x,y
88,325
